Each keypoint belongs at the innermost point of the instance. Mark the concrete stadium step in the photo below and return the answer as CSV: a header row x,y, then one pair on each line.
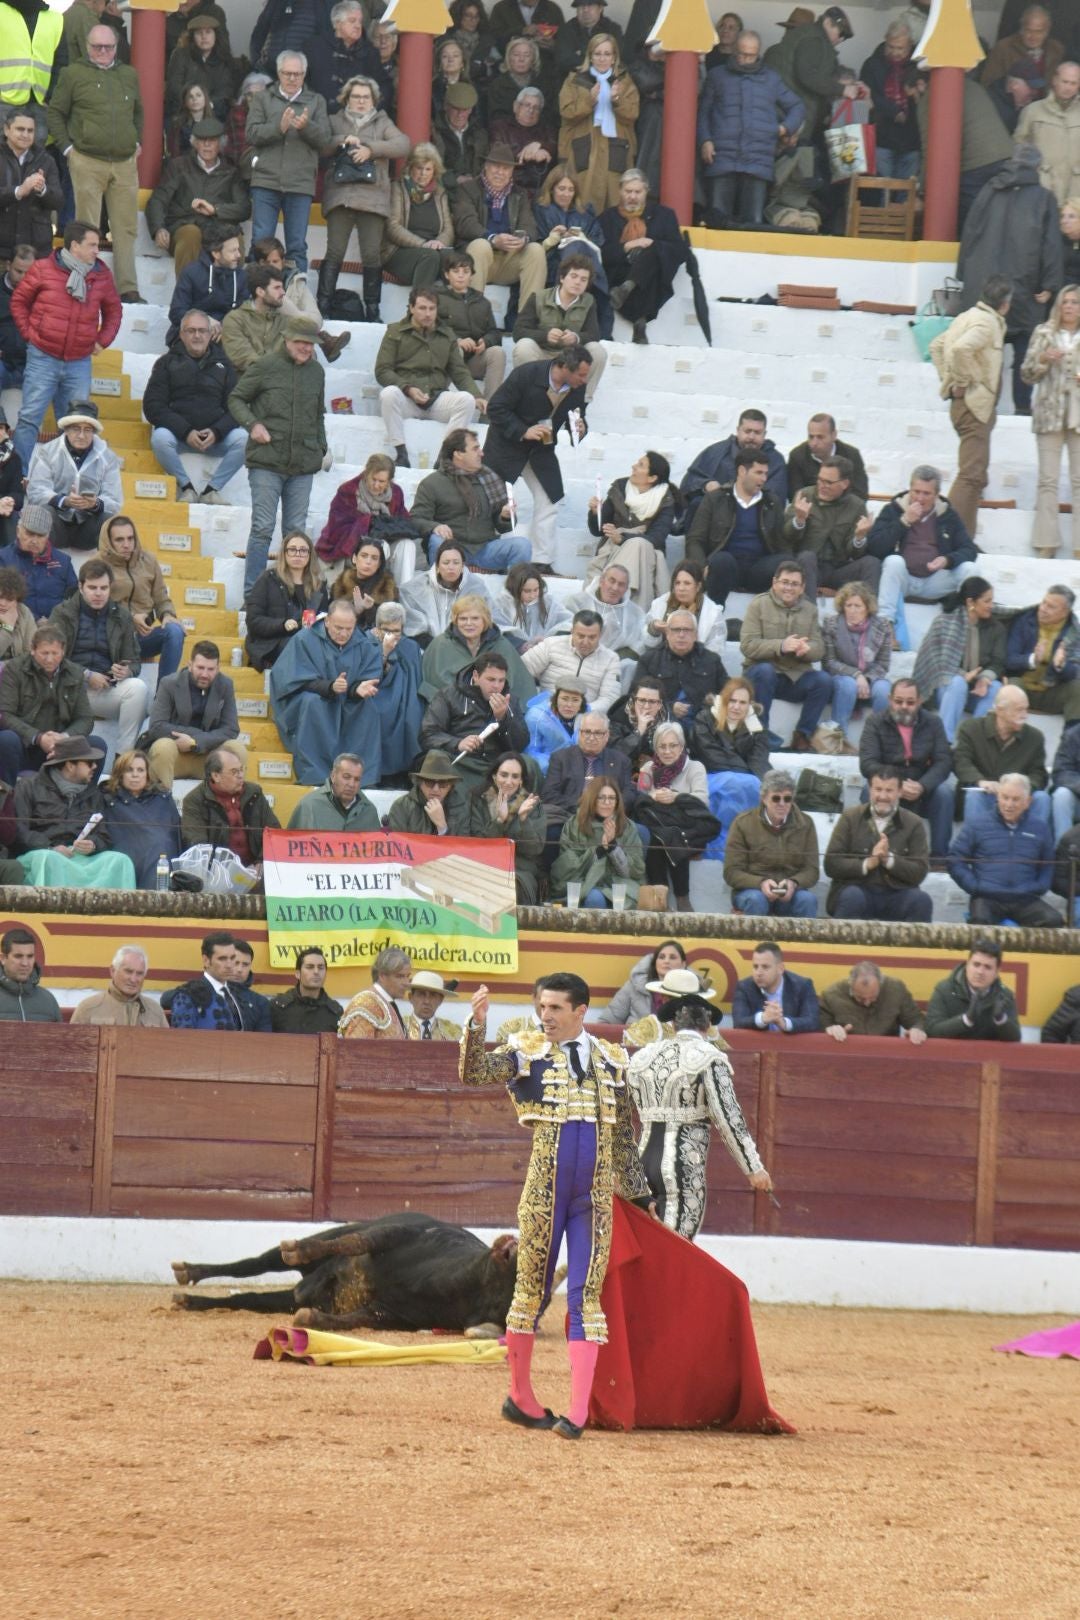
x,y
272,767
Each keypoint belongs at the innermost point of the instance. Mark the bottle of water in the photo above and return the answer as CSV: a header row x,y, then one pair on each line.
x,y
164,872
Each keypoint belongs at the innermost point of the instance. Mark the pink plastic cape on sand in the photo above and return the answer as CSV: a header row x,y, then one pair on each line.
x,y
1055,1344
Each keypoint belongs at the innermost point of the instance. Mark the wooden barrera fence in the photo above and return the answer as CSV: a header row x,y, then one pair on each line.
x,y
945,1143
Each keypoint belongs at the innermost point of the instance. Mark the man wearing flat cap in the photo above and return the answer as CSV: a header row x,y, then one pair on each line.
x,y
572,40
194,189
458,134
681,1086
280,399
806,59
427,992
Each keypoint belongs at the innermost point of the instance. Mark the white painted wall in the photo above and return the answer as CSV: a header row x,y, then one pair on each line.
x,y
777,1271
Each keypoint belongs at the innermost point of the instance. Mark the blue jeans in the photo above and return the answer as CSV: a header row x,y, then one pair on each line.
x,y
812,689
752,903
843,699
980,806
1064,810
955,699
11,377
897,165
896,583
47,381
596,900
266,205
168,640
268,489
499,554
228,452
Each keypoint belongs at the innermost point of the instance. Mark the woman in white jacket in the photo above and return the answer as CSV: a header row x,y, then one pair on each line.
x,y
428,597
77,476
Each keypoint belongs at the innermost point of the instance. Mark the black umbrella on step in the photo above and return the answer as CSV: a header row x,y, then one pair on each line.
x,y
701,302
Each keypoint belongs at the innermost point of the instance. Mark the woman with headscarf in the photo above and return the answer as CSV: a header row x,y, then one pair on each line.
x,y
321,689
371,501
506,806
643,249
598,106
428,597
1052,364
633,524
665,783
552,719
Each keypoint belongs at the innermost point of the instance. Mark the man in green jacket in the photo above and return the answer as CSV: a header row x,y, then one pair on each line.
x,y
555,318
464,501
280,399
827,525
771,856
435,804
869,1003
337,806
96,120
994,745
807,62
972,1004
22,999
43,700
422,373
781,642
287,128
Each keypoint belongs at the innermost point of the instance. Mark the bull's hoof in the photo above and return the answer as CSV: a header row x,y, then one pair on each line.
x,y
484,1330
512,1412
290,1251
180,1302
304,1318
182,1273
567,1430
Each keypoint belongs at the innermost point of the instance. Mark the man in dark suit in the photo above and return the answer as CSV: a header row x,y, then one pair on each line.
x,y
524,417
570,768
774,999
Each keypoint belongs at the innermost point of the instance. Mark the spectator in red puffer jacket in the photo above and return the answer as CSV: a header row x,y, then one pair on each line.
x,y
68,309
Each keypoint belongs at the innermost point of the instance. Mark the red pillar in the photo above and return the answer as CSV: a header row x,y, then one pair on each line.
x,y
148,60
678,155
416,54
943,141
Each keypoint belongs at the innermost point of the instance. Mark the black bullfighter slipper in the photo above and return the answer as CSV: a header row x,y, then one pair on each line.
x,y
567,1430
512,1412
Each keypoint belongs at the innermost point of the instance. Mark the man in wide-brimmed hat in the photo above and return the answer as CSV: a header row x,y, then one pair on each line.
x,y
427,992
436,802
494,223
54,811
199,188
681,1087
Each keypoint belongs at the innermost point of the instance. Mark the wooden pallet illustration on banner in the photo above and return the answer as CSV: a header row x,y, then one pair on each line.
x,y
467,888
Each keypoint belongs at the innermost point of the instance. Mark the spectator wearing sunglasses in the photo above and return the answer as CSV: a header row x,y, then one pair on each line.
x,y
771,858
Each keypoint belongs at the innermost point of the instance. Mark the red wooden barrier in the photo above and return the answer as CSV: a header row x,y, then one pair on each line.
x,y
944,1143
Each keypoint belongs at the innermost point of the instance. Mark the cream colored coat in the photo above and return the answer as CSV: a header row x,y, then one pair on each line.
x,y
1055,130
968,355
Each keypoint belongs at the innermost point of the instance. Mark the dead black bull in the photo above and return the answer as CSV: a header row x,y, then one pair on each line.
x,y
403,1273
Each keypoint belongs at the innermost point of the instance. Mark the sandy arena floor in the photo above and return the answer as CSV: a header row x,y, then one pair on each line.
x,y
154,1470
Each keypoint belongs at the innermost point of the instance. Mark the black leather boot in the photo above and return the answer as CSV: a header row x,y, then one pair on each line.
x,y
372,294
328,280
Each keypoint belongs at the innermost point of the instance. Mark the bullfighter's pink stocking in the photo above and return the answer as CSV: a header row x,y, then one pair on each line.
x,y
583,1354
519,1351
